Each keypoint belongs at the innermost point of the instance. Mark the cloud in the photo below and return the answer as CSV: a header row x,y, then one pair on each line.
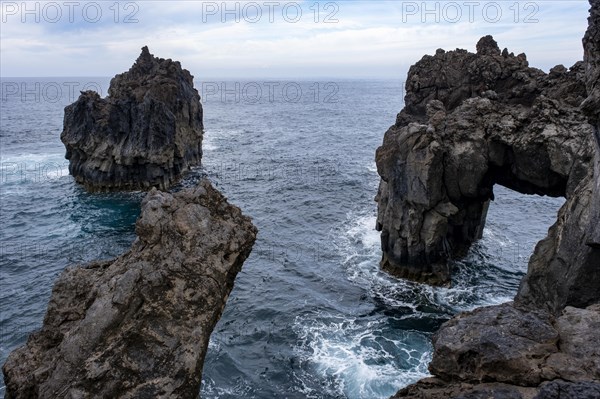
x,y
363,38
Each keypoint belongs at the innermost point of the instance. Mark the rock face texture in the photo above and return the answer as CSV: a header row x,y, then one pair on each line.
x,y
591,107
565,267
138,326
546,344
510,352
145,134
471,121
519,346
564,270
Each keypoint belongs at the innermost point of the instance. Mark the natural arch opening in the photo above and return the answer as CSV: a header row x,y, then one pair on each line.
x,y
472,121
515,223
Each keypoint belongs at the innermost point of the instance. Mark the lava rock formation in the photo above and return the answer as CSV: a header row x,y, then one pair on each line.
x,y
146,133
138,326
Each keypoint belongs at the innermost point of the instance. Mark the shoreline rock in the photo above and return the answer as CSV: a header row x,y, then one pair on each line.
x,y
509,352
545,345
139,325
144,134
591,107
565,267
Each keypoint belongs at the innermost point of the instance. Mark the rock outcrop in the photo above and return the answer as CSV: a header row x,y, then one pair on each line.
x,y
471,121
545,345
146,133
565,267
138,326
510,352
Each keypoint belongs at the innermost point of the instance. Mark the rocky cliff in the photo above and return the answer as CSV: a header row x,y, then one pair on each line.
x,y
138,326
472,121
565,267
546,344
591,107
146,133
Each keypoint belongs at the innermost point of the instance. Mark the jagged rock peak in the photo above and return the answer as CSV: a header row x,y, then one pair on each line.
x,y
487,46
146,133
145,61
145,54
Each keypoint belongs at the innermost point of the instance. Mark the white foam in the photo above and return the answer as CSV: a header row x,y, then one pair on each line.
x,y
362,229
347,353
209,388
208,141
21,168
359,244
372,167
343,350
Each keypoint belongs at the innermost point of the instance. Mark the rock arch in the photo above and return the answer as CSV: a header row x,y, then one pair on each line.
x,y
471,121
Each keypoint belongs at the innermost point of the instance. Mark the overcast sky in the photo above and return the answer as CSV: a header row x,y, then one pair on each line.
x,y
278,39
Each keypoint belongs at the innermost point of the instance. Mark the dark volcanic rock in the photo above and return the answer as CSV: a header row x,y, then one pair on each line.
x,y
519,346
498,343
591,107
138,326
569,390
506,352
436,388
471,121
564,270
146,133
547,344
565,267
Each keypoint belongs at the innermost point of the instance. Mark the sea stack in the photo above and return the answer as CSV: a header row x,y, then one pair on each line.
x,y
144,134
138,326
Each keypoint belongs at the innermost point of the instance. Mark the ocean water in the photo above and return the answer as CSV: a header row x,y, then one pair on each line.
x,y
311,314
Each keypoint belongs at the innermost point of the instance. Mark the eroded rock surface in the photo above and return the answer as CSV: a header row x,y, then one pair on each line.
x,y
146,133
546,344
565,267
591,107
138,326
507,352
564,270
471,121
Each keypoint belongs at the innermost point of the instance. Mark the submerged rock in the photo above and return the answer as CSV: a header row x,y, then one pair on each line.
x,y
146,133
138,326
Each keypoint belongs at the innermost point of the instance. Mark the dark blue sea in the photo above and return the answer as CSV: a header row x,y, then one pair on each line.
x,y
311,314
